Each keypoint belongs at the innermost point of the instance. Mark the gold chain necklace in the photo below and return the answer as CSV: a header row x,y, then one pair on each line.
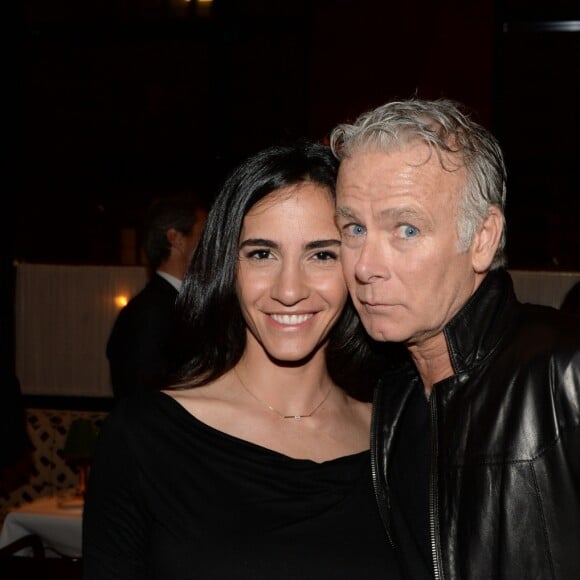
x,y
281,415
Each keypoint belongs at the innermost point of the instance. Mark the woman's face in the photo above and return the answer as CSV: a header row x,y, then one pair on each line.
x,y
289,280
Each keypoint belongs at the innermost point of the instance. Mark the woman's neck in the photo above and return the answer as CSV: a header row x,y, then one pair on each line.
x,y
289,389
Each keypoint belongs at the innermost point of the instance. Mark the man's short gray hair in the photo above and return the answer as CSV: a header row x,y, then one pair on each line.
x,y
447,130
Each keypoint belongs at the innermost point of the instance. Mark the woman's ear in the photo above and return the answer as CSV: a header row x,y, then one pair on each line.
x,y
486,240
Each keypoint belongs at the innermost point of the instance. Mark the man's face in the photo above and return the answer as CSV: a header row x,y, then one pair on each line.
x,y
397,214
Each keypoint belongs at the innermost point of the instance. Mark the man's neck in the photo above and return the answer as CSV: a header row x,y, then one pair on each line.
x,y
173,280
432,361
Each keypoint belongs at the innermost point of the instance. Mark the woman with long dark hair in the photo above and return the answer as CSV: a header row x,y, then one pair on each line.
x,y
254,464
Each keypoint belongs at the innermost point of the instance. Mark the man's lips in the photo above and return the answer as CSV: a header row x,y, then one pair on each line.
x,y
376,306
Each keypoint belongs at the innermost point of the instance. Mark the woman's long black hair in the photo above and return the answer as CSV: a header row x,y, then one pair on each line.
x,y
212,333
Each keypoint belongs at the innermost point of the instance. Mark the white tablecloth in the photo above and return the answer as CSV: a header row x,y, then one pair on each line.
x,y
59,528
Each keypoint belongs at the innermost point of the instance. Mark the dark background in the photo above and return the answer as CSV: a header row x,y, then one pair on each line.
x,y
120,100
115,101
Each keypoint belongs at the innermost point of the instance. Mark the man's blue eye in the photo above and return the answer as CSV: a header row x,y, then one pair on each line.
x,y
409,231
357,230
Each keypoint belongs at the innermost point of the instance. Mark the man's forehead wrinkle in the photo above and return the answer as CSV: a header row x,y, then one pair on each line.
x,y
450,160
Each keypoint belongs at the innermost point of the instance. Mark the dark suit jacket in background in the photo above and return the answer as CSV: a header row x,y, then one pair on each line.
x,y
139,349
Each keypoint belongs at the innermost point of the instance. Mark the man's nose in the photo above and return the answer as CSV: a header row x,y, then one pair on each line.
x,y
372,260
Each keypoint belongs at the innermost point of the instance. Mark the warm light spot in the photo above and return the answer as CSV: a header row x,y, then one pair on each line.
x,y
203,8
121,300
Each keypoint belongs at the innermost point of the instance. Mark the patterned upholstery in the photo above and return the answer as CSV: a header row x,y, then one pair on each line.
x,y
50,473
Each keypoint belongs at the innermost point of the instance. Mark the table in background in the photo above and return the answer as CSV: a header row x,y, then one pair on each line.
x,y
59,528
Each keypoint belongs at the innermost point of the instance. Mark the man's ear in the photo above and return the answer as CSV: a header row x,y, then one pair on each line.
x,y
486,240
173,237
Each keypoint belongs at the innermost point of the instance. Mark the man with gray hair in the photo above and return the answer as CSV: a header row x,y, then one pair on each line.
x,y
476,432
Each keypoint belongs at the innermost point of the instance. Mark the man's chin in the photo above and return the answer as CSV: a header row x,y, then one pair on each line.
x,y
384,331
381,334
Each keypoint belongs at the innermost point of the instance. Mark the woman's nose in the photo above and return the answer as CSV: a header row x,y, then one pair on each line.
x,y
290,285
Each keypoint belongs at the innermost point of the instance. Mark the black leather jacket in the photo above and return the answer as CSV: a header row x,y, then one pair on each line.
x,y
505,473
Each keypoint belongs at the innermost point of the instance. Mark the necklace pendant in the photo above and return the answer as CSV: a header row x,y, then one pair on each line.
x,y
270,408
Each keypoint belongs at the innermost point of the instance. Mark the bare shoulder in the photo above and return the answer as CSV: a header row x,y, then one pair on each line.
x,y
189,396
211,403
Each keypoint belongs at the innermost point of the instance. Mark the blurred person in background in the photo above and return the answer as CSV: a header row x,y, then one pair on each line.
x,y
139,348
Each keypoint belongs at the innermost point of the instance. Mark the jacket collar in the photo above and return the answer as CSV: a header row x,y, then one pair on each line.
x,y
476,330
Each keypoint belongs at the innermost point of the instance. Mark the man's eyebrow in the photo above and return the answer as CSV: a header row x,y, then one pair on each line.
x,y
259,242
344,212
392,214
402,213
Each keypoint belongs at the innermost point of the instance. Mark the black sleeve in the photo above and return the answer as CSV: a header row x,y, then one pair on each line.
x,y
115,520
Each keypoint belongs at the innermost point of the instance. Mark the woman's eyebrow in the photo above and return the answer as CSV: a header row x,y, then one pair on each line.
x,y
315,244
322,244
259,242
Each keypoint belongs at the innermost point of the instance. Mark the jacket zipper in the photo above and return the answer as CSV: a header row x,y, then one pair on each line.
x,y
374,471
433,499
